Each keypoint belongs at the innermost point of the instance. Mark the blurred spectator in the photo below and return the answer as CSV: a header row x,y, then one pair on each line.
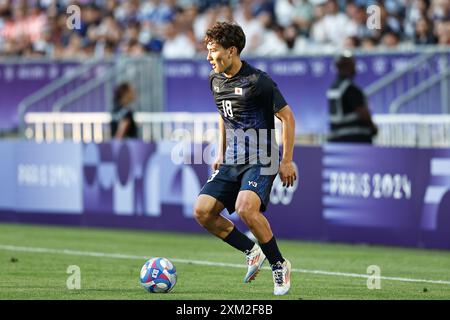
x,y
122,123
418,9
107,30
332,26
351,43
424,33
443,32
390,39
294,12
21,26
358,27
273,43
368,43
252,26
74,48
440,10
136,27
177,44
292,39
127,12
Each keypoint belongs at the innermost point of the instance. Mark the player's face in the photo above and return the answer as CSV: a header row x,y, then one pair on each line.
x,y
219,57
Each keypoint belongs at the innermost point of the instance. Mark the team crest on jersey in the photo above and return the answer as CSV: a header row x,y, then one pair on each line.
x,y
238,91
243,80
216,89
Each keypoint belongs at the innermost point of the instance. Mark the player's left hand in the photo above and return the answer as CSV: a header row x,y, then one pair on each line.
x,y
287,173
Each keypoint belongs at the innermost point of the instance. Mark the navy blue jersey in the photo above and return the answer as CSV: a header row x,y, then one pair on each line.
x,y
247,103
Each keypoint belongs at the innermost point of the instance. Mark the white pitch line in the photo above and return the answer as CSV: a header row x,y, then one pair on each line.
x,y
203,263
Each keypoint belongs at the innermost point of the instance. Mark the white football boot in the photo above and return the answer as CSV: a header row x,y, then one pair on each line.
x,y
255,259
281,278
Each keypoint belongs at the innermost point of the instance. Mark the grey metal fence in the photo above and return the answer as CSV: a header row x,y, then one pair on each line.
x,y
89,88
421,86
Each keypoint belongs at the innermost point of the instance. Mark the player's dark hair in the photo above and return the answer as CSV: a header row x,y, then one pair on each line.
x,y
227,35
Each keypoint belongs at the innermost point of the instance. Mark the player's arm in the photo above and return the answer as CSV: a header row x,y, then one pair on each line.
x,y
287,169
222,145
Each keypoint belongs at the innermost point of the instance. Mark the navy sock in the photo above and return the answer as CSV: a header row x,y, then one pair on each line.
x,y
272,252
239,240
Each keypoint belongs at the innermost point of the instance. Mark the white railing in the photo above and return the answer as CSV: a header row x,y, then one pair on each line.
x,y
78,127
95,126
407,130
158,126
413,130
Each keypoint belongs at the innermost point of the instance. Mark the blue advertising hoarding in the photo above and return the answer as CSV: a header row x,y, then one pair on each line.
x,y
7,174
42,178
348,193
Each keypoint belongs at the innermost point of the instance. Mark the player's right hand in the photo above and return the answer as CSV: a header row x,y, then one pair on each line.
x,y
287,173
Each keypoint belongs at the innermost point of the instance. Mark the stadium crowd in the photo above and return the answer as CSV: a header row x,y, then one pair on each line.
x,y
175,29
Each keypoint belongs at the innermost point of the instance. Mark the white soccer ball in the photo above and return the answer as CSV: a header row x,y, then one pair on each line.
x,y
158,275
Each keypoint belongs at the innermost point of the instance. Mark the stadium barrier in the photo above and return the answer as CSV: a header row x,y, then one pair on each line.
x,y
419,86
347,193
76,127
75,85
402,130
95,126
413,130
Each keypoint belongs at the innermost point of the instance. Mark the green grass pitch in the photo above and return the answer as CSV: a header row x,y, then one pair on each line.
x,y
321,270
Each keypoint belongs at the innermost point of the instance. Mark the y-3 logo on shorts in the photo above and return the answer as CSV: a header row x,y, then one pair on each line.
x,y
253,184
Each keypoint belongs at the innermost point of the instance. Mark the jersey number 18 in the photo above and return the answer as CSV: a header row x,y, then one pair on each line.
x,y
227,108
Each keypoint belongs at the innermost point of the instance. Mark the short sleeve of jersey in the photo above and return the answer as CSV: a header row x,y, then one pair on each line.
x,y
270,88
211,77
354,98
278,100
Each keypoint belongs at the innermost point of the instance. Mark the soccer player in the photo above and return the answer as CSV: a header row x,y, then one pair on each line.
x,y
247,100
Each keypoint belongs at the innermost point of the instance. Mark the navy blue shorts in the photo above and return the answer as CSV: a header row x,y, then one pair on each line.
x,y
226,183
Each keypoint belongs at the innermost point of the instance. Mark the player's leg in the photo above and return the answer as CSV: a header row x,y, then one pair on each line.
x,y
221,191
207,213
248,208
253,198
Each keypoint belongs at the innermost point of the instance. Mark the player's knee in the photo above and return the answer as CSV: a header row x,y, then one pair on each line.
x,y
201,214
246,212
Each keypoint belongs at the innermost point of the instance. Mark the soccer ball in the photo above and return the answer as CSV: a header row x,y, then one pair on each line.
x,y
158,275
